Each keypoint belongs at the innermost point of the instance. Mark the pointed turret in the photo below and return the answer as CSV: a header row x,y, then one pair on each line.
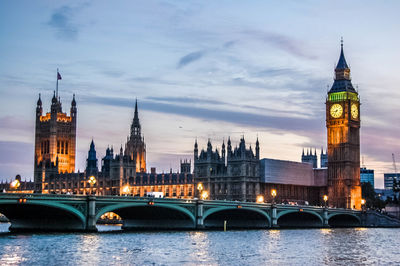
x,y
91,162
39,101
196,150
73,103
342,75
257,149
223,149
342,64
39,109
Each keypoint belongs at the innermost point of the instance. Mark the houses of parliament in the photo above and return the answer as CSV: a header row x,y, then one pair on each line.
x,y
232,173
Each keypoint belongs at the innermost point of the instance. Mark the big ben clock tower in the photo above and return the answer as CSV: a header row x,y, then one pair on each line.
x,y
343,130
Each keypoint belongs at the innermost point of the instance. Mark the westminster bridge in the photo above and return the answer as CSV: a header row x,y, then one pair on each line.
x,y
27,212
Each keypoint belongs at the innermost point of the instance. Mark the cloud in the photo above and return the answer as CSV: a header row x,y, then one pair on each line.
x,y
60,20
16,155
257,120
190,58
189,100
283,42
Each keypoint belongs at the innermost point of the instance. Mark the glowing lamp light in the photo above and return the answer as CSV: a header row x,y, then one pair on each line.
x,y
200,186
273,193
22,200
204,195
15,184
362,201
325,198
260,199
92,180
126,189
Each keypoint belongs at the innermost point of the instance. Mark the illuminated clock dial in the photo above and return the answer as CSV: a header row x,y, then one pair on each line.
x,y
354,111
336,110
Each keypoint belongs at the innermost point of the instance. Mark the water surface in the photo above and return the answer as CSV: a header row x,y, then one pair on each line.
x,y
252,247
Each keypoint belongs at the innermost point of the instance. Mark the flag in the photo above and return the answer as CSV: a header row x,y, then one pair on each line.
x,y
58,76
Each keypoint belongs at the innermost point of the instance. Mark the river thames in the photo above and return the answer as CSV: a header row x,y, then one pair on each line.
x,y
252,247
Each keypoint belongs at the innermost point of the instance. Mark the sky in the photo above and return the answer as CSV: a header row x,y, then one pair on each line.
x,y
199,69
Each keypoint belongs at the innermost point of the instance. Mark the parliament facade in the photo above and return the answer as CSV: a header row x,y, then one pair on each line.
x,y
232,173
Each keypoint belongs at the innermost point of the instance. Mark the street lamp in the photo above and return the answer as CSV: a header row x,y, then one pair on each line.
x,y
200,188
260,199
363,204
273,194
91,181
15,184
204,195
126,190
325,199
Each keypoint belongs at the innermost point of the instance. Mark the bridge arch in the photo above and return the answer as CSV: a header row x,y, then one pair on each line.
x,y
141,215
245,217
42,215
297,218
343,220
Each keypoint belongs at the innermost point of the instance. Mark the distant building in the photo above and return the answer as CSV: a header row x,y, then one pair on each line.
x,y
296,182
367,176
310,158
388,179
324,158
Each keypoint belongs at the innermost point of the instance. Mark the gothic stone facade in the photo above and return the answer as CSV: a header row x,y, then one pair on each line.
x,y
55,141
233,175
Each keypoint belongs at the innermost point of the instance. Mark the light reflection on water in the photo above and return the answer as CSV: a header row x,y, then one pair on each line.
x,y
253,247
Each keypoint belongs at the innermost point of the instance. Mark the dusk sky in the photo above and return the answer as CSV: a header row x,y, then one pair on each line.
x,y
205,69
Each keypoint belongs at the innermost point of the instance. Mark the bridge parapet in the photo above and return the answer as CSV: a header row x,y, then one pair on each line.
x,y
82,212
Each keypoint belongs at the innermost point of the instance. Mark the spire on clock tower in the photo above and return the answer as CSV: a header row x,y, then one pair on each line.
x,y
342,75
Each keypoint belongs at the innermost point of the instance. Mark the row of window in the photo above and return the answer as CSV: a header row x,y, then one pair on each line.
x,y
45,147
62,147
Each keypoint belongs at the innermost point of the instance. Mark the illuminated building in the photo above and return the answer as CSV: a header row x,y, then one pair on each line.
x,y
343,132
55,141
231,174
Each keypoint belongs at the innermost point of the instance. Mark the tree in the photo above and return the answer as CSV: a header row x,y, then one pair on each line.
x,y
372,200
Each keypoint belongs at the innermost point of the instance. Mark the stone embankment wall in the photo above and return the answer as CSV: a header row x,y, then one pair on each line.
x,y
375,219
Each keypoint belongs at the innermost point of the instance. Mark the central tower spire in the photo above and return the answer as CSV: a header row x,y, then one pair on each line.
x,y
135,147
135,127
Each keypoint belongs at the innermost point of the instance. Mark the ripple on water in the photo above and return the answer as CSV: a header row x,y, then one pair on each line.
x,y
253,247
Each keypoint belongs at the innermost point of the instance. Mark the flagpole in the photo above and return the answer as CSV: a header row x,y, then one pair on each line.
x,y
57,85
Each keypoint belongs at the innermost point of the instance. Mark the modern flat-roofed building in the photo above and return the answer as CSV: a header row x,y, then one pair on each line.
x,y
388,179
367,176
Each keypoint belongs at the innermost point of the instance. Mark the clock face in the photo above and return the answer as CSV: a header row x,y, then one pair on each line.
x,y
336,110
354,111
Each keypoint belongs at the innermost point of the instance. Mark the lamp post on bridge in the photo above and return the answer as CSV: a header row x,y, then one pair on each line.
x,y
363,205
325,200
92,182
325,216
273,209
273,194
